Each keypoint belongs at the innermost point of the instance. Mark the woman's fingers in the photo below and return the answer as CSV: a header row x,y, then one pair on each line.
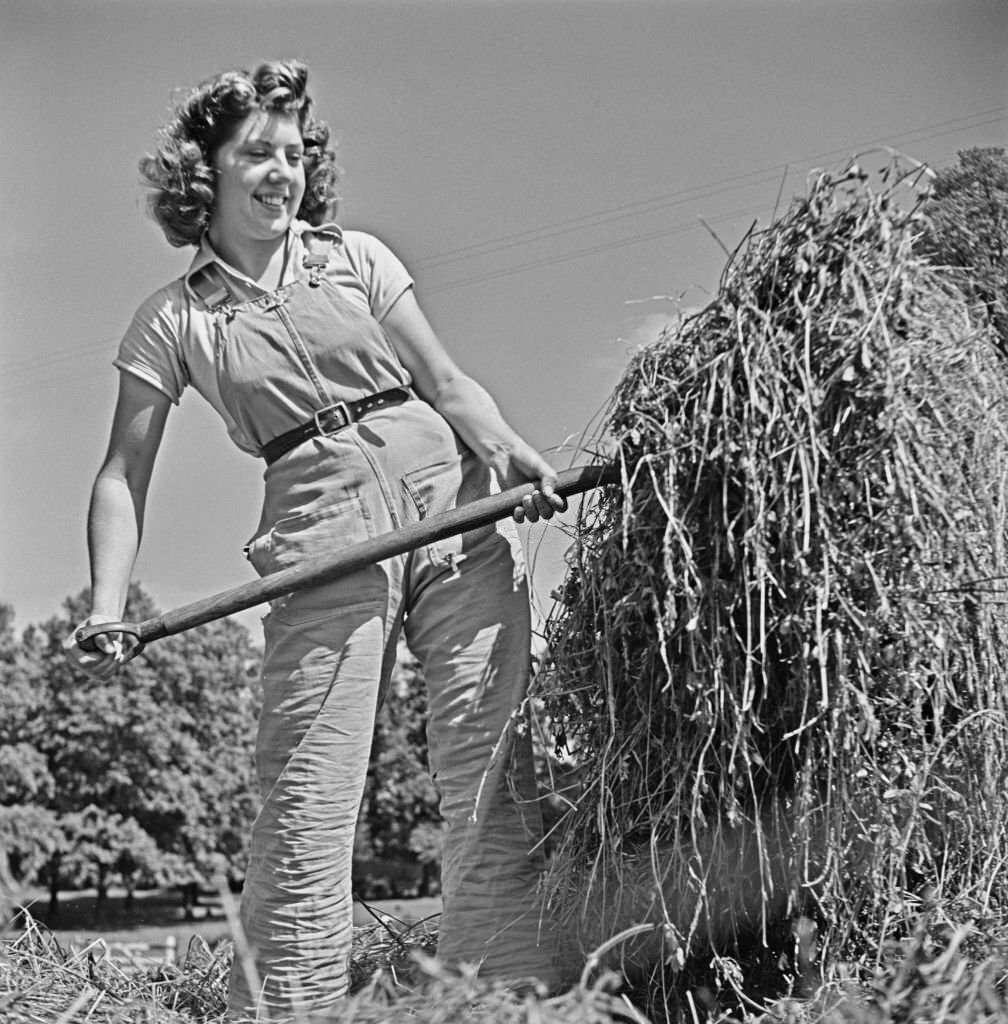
x,y
109,643
527,464
546,498
99,667
111,651
98,664
542,503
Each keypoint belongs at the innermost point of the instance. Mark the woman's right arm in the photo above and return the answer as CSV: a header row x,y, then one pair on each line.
x,y
116,515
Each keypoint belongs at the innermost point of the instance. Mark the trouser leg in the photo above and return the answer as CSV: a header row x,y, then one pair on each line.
x,y
470,631
321,679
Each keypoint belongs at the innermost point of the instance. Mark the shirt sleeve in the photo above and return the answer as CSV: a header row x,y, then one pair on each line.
x,y
151,347
379,269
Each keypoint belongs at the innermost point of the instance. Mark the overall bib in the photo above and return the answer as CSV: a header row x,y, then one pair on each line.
x,y
329,651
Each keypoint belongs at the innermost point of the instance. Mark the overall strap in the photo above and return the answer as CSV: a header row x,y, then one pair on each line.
x,y
215,289
318,247
212,287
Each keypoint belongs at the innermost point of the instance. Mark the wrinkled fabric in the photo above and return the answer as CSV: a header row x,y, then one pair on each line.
x,y
464,605
171,342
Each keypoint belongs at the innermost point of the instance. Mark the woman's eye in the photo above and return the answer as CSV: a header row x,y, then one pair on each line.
x,y
295,158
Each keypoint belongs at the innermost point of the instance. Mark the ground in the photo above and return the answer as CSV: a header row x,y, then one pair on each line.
x,y
157,915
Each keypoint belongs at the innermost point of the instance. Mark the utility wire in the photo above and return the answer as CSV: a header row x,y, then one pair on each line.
x,y
714,188
674,229
52,358
623,211
86,375
594,250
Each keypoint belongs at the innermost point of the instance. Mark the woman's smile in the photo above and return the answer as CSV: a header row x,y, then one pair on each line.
x,y
260,185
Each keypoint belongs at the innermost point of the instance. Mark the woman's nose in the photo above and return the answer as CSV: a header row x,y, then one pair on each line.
x,y
282,169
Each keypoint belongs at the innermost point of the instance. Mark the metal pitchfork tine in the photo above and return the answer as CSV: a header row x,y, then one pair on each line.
x,y
324,570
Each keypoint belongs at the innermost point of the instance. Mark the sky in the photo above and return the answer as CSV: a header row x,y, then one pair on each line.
x,y
560,177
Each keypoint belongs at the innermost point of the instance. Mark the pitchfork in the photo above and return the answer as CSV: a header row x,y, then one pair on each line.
x,y
340,563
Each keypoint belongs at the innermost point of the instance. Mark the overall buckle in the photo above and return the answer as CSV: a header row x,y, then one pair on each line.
x,y
332,418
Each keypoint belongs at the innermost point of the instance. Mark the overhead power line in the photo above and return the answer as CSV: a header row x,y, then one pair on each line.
x,y
52,358
623,211
88,374
705,191
673,229
594,250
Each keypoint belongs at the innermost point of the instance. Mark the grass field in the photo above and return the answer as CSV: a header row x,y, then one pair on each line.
x,y
944,973
157,917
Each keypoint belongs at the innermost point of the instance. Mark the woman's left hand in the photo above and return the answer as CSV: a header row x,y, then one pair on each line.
x,y
522,464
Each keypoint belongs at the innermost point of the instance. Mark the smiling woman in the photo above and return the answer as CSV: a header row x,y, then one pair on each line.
x,y
182,173
308,340
260,183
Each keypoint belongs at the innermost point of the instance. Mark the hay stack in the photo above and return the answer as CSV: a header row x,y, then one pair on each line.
x,y
780,651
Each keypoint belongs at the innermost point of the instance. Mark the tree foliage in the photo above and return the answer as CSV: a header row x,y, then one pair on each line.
x,y
967,215
149,776
29,836
97,844
149,771
399,818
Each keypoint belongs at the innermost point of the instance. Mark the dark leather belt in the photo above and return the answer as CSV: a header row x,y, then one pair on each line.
x,y
331,419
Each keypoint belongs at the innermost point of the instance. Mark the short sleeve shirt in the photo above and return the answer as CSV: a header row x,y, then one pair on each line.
x,y
169,343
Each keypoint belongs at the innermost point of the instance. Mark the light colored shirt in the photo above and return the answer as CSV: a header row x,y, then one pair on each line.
x,y
170,341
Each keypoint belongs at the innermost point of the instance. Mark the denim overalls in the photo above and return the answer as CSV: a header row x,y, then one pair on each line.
x,y
464,605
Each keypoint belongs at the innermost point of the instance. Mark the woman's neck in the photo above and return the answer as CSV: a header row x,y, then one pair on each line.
x,y
262,262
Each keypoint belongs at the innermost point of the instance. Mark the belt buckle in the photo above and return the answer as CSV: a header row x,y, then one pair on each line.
x,y
339,408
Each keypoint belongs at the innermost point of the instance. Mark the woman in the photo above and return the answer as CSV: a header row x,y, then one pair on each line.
x,y
309,342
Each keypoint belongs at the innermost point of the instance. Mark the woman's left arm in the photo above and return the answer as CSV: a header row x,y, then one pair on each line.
x,y
470,410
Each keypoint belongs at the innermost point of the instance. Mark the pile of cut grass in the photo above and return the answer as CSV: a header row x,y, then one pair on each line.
x,y
393,978
42,982
779,653
939,974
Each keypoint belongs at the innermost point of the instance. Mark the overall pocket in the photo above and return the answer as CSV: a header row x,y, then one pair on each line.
x,y
299,538
308,537
444,486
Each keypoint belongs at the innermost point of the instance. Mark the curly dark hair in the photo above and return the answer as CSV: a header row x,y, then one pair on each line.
x,y
180,171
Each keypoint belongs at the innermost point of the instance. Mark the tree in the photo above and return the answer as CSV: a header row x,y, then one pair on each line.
x,y
399,819
151,772
98,843
29,836
206,792
29,831
7,639
968,230
166,744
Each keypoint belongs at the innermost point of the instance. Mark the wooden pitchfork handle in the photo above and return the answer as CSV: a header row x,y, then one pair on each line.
x,y
341,563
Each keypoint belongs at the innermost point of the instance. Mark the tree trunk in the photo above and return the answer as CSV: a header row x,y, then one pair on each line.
x,y
101,897
429,878
54,886
190,897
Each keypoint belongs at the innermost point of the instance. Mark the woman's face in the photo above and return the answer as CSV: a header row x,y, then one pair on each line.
x,y
260,180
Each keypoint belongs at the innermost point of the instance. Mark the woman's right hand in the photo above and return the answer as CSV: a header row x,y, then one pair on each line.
x,y
113,649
